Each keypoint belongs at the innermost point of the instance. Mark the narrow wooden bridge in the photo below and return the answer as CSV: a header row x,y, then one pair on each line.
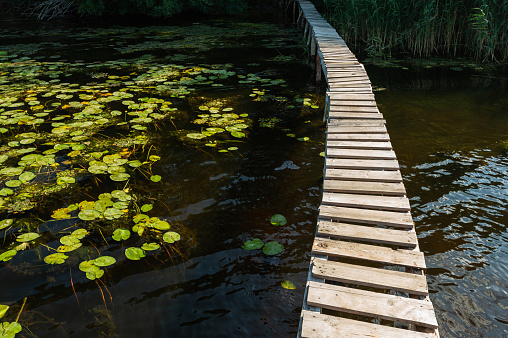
x,y
366,272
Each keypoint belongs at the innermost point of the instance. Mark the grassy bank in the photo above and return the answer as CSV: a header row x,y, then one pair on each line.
x,y
452,28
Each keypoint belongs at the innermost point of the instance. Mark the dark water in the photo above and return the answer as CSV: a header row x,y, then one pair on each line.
x,y
219,201
446,128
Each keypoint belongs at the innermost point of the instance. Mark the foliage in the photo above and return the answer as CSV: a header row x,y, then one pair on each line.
x,y
475,28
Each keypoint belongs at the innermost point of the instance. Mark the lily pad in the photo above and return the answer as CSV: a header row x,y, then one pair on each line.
x,y
88,214
56,258
69,240
6,223
171,237
80,233
26,176
146,207
237,134
121,234
120,177
273,248
65,180
104,261
6,256
13,183
69,248
255,244
134,253
9,330
94,274
288,285
155,178
112,213
150,246
28,237
3,310
278,219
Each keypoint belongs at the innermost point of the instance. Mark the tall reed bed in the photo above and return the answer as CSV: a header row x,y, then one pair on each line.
x,y
476,28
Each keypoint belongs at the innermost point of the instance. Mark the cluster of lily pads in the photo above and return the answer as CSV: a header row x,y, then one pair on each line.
x,y
271,248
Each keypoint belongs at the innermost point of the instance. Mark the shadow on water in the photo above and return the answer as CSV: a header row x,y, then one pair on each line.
x,y
446,128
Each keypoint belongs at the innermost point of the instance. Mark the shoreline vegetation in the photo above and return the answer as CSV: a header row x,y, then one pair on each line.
x,y
421,29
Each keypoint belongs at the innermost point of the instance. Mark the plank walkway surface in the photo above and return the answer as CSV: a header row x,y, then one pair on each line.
x,y
366,276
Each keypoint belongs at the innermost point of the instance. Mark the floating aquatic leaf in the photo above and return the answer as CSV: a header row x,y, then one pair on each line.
x,y
9,171
9,329
80,233
121,205
140,217
69,240
6,223
135,163
120,195
94,274
278,219
288,285
121,234
256,243
3,158
69,248
86,266
150,246
56,258
6,256
26,176
120,177
3,310
155,178
146,207
303,139
30,236
62,213
65,180
273,248
237,134
6,192
104,261
171,237
134,253
88,214
322,154
196,136
13,183
112,213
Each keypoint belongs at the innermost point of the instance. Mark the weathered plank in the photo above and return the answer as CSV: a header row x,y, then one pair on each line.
x,y
363,233
414,284
367,303
357,137
371,253
332,184
368,216
339,163
393,203
366,176
355,115
354,97
363,103
317,325
356,122
353,109
357,130
360,153
359,144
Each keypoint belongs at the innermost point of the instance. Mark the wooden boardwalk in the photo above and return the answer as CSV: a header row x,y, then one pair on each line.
x,y
366,274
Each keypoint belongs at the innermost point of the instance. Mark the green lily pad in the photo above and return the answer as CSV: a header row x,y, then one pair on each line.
x,y
273,248
196,136
56,258
3,158
3,310
112,213
6,223
69,248
13,183
11,171
104,261
135,163
121,234
134,253
288,285
120,177
171,237
86,266
255,244
88,214
9,329
120,195
146,207
28,237
155,178
237,134
94,274
6,256
65,180
278,219
6,192
154,158
27,176
69,240
80,233
150,246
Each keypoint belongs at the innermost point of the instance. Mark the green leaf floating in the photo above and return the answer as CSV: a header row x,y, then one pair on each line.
x,y
104,261
94,274
278,219
273,248
30,236
6,223
121,234
288,285
134,254
56,258
26,176
146,207
69,240
156,178
171,237
7,256
88,214
3,310
255,244
80,233
9,330
150,246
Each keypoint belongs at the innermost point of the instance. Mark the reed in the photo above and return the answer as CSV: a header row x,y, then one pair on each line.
x,y
422,28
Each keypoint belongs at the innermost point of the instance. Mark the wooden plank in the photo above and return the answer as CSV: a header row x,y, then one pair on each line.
x,y
354,115
414,284
339,163
351,109
393,203
361,103
359,144
367,252
358,137
404,238
363,89
356,122
362,180
367,216
367,303
352,97
317,325
359,187
360,153
358,130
